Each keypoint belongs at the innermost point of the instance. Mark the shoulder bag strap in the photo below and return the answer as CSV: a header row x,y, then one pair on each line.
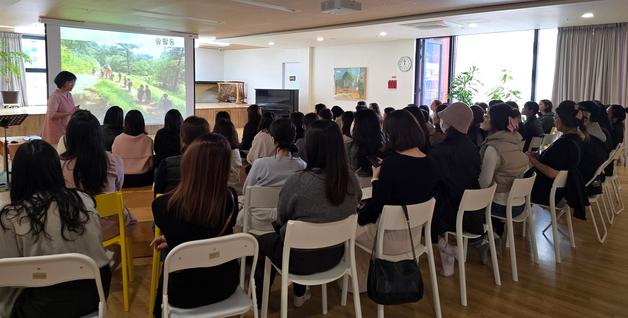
x,y
235,209
405,213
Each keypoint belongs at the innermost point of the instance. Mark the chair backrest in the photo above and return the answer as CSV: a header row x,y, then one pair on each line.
x,y
42,271
474,200
535,143
548,139
306,235
559,182
521,188
258,197
393,218
209,253
109,204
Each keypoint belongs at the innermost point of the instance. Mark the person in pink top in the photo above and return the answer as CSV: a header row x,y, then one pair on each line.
x,y
136,150
60,108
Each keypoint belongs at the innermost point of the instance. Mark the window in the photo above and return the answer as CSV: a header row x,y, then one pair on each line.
x,y
433,70
546,62
36,80
496,54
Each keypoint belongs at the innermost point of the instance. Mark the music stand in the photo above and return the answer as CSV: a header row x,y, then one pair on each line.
x,y
5,122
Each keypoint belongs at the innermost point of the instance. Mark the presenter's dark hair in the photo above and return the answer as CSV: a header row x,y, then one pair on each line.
x,y
63,77
114,118
325,150
134,123
84,145
37,182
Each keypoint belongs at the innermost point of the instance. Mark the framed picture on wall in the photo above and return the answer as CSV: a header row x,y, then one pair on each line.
x,y
350,83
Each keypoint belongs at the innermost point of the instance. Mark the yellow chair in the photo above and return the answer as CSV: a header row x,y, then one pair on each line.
x,y
112,204
155,271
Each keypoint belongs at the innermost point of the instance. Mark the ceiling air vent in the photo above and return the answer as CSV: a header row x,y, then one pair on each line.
x,y
432,25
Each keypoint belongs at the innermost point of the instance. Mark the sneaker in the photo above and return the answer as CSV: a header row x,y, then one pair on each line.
x,y
300,300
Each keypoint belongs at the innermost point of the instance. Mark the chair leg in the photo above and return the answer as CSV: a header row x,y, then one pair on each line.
x,y
572,239
532,237
600,238
461,270
242,271
608,193
129,255
380,311
435,295
466,249
354,284
513,255
556,237
620,200
125,273
345,291
265,288
154,277
324,298
525,225
606,210
284,296
491,244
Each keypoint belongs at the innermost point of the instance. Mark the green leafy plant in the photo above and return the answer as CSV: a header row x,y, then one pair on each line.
x,y
503,90
464,86
10,65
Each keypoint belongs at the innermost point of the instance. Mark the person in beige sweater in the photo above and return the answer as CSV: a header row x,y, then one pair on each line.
x,y
136,150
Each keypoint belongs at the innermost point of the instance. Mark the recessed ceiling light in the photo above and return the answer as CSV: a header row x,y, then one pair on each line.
x,y
383,33
473,25
588,15
271,43
320,39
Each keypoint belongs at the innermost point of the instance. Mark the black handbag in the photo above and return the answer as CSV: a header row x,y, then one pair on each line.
x,y
392,283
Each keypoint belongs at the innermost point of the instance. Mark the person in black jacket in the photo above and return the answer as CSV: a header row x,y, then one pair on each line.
x,y
112,125
532,126
617,116
546,115
168,172
251,128
458,166
167,142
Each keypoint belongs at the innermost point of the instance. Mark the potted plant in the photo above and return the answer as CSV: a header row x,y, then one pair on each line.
x,y
464,86
10,66
503,90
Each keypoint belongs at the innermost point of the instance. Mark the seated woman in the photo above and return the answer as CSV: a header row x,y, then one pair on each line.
x,y
563,154
346,122
168,173
263,144
407,176
167,143
136,150
226,129
308,119
45,218
476,133
458,167
503,160
368,142
251,128
112,125
202,206
617,116
273,172
324,192
88,167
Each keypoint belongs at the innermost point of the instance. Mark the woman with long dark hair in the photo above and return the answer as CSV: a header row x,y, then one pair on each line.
x,y
346,122
617,116
227,129
326,191
368,141
263,144
274,171
167,143
44,218
254,115
136,150
112,125
297,120
202,206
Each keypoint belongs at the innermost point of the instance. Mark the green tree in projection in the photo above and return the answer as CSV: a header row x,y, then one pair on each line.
x,y
126,47
169,68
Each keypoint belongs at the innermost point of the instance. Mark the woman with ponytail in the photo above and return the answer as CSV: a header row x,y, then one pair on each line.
x,y
503,160
274,171
564,154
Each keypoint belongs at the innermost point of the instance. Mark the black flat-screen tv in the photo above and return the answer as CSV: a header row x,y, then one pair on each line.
x,y
281,102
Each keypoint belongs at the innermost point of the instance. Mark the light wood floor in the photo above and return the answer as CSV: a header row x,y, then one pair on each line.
x,y
591,281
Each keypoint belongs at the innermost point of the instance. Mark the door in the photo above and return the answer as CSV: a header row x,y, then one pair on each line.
x,y
291,75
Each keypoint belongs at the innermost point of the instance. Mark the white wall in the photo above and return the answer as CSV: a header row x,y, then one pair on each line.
x,y
263,68
379,58
209,64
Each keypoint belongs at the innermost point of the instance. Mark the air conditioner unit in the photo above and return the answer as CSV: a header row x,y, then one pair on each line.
x,y
340,7
432,25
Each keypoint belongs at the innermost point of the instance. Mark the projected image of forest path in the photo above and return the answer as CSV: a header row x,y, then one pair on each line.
x,y
127,76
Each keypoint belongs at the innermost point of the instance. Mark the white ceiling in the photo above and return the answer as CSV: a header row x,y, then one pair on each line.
x,y
539,17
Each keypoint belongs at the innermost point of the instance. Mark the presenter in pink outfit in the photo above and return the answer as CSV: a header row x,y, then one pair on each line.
x,y
60,108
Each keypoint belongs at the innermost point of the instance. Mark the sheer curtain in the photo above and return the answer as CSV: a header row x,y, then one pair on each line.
x,y
12,42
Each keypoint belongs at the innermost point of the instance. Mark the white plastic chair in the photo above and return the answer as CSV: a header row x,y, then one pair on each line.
x,y
557,211
612,183
304,235
601,197
472,201
548,139
209,253
256,197
521,189
393,218
42,271
535,143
